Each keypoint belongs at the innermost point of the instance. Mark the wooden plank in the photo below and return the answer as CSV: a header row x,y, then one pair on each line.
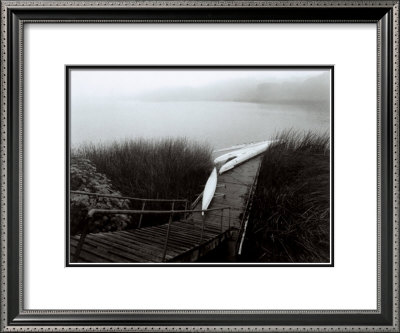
x,y
148,242
132,242
177,239
188,237
140,245
173,231
137,251
197,228
200,251
91,254
88,257
146,250
72,253
111,253
154,239
189,227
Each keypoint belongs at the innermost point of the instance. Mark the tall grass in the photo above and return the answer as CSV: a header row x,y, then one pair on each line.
x,y
164,169
290,217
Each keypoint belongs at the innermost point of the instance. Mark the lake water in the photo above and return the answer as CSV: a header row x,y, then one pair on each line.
x,y
220,124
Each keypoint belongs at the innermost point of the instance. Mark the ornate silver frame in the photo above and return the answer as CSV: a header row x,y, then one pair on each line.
x,y
14,14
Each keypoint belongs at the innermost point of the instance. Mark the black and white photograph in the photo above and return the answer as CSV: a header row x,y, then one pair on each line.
x,y
199,165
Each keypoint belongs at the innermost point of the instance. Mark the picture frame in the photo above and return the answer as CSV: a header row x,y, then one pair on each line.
x,y
16,14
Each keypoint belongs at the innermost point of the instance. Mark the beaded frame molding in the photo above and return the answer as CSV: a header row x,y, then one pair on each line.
x,y
14,14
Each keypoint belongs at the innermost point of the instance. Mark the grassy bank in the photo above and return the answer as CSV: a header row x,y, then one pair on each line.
x,y
290,217
163,169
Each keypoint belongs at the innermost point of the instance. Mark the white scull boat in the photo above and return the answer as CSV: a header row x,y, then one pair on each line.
x,y
232,159
237,152
209,190
244,155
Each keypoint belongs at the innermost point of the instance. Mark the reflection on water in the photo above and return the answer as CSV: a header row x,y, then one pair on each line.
x,y
221,124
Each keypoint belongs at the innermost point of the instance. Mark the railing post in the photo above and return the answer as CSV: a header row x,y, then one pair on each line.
x,y
202,228
81,241
168,230
229,217
186,208
141,215
222,218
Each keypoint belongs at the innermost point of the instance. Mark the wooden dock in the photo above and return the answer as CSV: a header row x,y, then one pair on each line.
x,y
188,239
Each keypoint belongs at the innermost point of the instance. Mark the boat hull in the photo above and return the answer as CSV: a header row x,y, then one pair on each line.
x,y
243,156
233,154
209,190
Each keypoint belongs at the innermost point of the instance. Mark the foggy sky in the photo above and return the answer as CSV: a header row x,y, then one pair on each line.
x,y
104,86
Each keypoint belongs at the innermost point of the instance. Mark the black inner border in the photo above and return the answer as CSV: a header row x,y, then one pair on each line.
x,y
70,68
15,317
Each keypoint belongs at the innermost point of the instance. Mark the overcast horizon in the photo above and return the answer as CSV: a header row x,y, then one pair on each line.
x,y
109,104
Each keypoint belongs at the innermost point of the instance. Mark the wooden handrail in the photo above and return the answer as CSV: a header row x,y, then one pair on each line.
x,y
171,212
135,211
126,198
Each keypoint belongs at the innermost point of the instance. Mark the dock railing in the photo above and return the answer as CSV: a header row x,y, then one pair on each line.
x,y
172,212
143,200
